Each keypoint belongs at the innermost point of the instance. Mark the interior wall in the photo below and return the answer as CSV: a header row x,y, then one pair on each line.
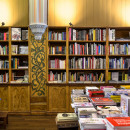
x,y
14,12
89,13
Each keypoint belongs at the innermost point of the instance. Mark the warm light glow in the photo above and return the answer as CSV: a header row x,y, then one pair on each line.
x,y
5,12
127,12
65,12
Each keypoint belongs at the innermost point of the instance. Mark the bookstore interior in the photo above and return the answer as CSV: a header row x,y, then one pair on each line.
x,y
69,59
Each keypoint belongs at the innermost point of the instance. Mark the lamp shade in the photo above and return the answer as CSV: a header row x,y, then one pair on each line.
x,y
38,17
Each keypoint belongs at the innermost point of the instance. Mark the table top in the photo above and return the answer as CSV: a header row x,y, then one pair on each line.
x,y
3,114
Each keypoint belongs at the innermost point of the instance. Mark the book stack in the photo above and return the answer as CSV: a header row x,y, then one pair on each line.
x,y
87,88
87,63
65,120
57,35
57,63
118,123
81,105
87,49
92,124
109,111
87,113
79,98
78,91
102,101
23,49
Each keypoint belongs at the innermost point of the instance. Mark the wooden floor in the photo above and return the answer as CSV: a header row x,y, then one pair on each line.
x,y
31,123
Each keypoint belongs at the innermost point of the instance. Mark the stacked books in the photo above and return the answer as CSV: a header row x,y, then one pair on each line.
x,y
87,112
78,91
87,88
109,111
79,98
118,123
102,101
92,124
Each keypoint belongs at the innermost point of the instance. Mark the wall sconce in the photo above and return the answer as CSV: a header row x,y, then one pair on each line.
x,y
3,23
38,17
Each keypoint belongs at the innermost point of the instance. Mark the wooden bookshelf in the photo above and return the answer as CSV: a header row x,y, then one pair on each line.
x,y
105,42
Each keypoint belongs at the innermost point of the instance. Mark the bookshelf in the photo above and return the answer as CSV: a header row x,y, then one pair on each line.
x,y
91,54
14,49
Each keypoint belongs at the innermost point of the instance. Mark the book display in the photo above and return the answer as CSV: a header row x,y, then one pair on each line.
x,y
104,114
14,55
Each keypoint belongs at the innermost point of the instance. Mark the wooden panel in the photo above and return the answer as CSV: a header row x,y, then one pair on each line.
x,y
19,99
57,99
38,99
38,107
3,98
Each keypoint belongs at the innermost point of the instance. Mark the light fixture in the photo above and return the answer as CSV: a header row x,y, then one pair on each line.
x,y
38,17
3,23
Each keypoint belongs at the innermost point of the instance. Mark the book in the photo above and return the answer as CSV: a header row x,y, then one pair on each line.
x,y
16,33
14,49
23,49
125,105
118,123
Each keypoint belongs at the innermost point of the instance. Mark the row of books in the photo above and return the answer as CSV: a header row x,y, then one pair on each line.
x,y
119,49
4,35
91,34
4,50
87,49
16,63
86,77
15,49
112,35
57,63
19,34
4,78
57,35
56,77
87,63
23,78
119,63
4,64
57,50
118,77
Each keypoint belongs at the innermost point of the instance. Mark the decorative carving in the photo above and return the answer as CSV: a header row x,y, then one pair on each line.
x,y
3,98
20,100
38,63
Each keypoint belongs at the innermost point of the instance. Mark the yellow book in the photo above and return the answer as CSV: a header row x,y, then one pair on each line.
x,y
93,34
116,98
113,50
126,77
125,86
100,77
109,75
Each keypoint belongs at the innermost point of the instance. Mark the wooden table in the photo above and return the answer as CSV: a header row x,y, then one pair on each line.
x,y
4,118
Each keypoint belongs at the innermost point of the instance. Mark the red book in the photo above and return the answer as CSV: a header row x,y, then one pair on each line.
x,y
80,49
101,35
70,29
5,36
119,121
83,49
97,93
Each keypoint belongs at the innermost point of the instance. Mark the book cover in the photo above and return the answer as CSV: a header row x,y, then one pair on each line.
x,y
16,33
